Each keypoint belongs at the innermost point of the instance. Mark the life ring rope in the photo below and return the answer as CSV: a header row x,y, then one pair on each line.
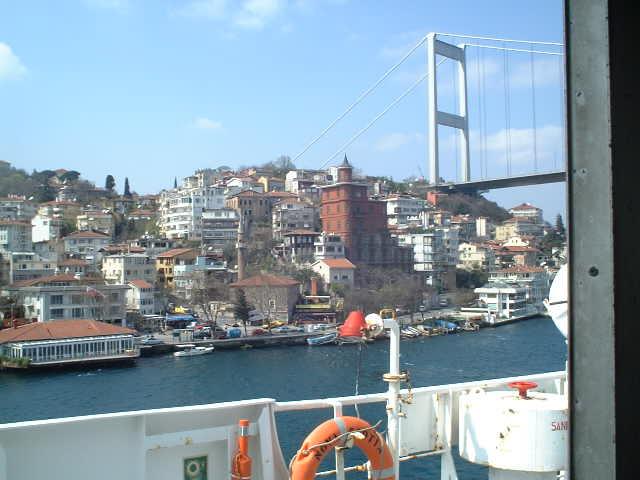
x,y
336,433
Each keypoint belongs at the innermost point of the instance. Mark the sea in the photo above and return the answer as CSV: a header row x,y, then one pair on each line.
x,y
290,373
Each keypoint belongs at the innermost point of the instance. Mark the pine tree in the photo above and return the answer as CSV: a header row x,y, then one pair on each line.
x,y
109,183
175,182
560,226
127,192
241,309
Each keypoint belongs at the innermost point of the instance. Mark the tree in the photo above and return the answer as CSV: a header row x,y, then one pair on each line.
x,y
109,183
241,308
560,230
127,192
175,182
206,292
70,176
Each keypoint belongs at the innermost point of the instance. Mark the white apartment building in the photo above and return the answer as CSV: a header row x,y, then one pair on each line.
x,y
15,236
297,180
123,268
292,214
45,228
328,246
404,210
181,210
429,255
528,211
535,280
60,297
141,297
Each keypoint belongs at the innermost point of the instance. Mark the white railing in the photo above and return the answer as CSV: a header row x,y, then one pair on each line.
x,y
441,400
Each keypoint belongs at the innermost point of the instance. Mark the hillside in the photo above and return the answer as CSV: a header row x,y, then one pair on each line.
x,y
476,205
38,185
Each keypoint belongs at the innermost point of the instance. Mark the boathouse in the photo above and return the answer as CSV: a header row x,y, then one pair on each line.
x,y
64,342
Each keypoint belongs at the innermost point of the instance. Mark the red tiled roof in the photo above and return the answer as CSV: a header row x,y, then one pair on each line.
x,y
524,206
247,193
338,263
175,252
37,282
301,231
521,269
60,329
265,280
519,249
139,283
87,234
279,194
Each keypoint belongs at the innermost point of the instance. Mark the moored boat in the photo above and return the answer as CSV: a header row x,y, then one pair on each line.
x,y
323,339
190,350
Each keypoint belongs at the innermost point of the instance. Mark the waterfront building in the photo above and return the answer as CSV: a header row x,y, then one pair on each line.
x,y
180,213
64,296
509,256
68,342
273,295
219,229
503,300
86,245
475,256
298,246
167,261
141,297
403,210
16,207
15,236
124,267
526,211
335,271
535,280
328,246
290,215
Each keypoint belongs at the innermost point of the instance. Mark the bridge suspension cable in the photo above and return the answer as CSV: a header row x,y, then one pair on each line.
x,y
507,110
362,96
533,112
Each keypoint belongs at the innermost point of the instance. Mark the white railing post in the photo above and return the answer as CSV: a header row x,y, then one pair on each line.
x,y
393,398
337,412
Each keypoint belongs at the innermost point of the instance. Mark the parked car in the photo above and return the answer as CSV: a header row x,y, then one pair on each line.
x,y
287,329
150,340
259,331
321,326
201,334
273,324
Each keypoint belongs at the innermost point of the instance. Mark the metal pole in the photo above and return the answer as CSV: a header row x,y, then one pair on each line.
x,y
340,472
432,111
393,400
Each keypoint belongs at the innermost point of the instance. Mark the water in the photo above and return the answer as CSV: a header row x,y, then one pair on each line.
x,y
287,373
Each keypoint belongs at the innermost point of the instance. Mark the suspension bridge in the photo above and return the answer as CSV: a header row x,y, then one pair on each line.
x,y
491,122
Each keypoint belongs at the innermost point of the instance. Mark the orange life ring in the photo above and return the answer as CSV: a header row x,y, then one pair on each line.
x,y
331,434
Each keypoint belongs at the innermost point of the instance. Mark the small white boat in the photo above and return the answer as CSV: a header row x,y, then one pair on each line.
x,y
190,350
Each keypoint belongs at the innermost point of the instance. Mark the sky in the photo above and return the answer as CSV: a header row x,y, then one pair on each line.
x,y
155,89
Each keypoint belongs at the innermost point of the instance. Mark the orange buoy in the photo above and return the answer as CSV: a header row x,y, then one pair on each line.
x,y
331,434
241,464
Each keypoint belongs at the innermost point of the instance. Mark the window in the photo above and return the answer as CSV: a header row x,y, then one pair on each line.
x,y
57,312
77,312
57,299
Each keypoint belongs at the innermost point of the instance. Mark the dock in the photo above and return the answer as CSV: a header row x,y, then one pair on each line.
x,y
257,341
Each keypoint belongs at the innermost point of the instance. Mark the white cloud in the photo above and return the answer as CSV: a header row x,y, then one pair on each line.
x,y
548,140
254,14
116,5
10,64
396,140
204,123
207,9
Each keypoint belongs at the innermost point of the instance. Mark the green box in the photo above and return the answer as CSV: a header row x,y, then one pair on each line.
x,y
195,468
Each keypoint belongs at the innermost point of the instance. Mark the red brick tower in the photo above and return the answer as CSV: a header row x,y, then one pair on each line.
x,y
346,210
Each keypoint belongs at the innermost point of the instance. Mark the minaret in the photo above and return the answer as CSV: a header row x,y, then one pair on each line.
x,y
241,247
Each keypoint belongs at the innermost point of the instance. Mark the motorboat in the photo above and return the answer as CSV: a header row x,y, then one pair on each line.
x,y
191,350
